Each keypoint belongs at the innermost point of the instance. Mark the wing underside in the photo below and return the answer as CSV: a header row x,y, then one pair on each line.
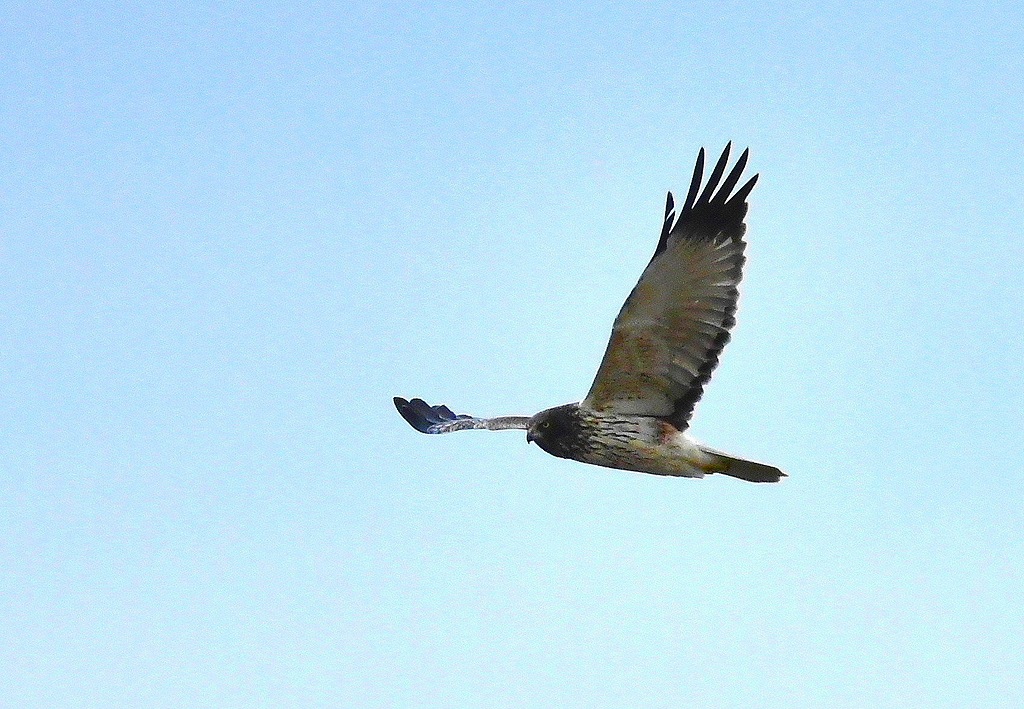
x,y
667,338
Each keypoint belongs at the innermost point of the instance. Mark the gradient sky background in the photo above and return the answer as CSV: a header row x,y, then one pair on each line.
x,y
231,232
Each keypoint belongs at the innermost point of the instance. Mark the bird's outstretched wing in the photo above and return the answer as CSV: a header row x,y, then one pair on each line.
x,y
666,339
440,419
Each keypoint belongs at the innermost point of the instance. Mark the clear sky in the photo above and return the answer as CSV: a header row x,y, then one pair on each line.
x,y
231,232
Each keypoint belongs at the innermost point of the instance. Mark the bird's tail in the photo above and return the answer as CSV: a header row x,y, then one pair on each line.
x,y
745,469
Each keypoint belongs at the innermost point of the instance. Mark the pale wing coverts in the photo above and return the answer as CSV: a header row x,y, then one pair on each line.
x,y
666,339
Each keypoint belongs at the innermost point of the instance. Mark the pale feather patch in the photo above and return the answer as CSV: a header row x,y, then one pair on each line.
x,y
667,329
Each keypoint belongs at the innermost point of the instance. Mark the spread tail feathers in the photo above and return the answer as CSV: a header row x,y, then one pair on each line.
x,y
746,469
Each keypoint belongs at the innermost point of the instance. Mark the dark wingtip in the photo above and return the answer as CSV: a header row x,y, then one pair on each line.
x,y
743,192
730,182
666,227
698,175
714,210
422,416
716,175
412,412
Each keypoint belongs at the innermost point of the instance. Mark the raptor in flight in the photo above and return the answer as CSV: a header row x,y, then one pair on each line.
x,y
664,345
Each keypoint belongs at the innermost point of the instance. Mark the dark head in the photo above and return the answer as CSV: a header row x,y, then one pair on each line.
x,y
557,431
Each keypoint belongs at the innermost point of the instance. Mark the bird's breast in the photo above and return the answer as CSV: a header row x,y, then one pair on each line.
x,y
643,444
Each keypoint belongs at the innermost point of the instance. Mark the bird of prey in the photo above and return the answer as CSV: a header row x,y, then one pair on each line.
x,y
664,345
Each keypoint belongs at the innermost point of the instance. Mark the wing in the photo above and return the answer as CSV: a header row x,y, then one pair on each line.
x,y
667,338
440,419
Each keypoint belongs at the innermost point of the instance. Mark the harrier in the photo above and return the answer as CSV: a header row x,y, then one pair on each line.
x,y
664,345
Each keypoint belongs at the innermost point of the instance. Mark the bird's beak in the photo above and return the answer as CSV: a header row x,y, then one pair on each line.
x,y
529,436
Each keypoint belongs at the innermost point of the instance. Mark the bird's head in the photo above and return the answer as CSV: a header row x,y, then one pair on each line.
x,y
555,430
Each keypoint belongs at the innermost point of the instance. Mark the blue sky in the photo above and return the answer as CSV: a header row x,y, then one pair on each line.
x,y
230,233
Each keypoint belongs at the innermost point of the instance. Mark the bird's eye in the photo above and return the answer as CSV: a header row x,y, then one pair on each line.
x,y
545,426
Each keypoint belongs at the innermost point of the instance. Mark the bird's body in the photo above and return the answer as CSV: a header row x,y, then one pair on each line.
x,y
644,444
664,345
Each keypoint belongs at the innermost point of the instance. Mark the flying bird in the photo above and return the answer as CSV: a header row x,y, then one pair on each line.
x,y
664,345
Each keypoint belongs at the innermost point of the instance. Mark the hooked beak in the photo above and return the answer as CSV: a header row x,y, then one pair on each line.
x,y
529,436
